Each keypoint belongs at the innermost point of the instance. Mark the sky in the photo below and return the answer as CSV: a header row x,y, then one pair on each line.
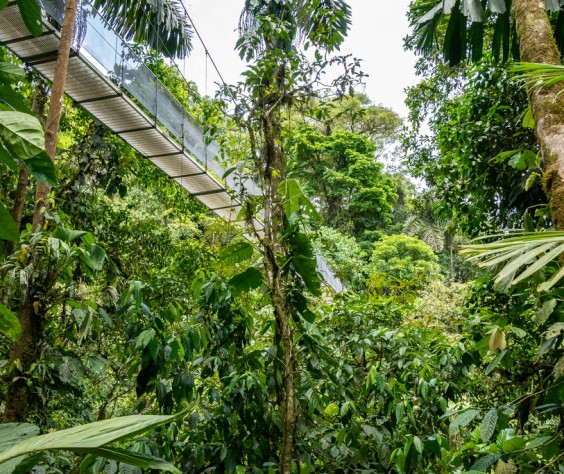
x,y
376,37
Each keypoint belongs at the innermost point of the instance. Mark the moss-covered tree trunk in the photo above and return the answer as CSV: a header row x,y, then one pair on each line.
x,y
547,104
274,223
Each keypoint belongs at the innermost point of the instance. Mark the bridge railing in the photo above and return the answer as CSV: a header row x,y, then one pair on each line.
x,y
120,63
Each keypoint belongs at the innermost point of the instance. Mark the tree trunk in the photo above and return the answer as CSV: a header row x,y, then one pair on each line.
x,y
26,349
273,245
55,107
547,104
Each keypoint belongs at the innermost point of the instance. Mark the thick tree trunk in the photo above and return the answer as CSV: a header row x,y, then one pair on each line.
x,y
547,104
55,107
26,349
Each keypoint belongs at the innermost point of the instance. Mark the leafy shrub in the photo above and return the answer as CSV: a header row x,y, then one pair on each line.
x,y
401,265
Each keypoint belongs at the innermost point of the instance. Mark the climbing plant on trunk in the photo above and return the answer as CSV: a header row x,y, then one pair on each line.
x,y
271,31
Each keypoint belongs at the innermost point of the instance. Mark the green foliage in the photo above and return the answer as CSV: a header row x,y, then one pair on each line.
x,y
31,15
340,170
343,255
21,134
440,306
295,201
8,229
9,323
465,159
156,306
401,263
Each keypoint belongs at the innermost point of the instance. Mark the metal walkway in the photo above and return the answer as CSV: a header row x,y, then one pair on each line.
x,y
104,74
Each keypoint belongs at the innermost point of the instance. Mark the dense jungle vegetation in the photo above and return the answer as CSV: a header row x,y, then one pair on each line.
x,y
140,332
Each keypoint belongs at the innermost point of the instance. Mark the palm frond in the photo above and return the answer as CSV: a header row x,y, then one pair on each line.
x,y
520,256
540,75
432,233
161,24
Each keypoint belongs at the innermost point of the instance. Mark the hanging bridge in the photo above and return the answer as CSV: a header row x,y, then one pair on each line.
x,y
108,79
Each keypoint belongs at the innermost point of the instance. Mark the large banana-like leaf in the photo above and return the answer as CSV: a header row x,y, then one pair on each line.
x,y
520,256
87,439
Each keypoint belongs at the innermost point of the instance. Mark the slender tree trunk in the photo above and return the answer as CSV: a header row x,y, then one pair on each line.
x,y
274,223
55,107
26,349
547,104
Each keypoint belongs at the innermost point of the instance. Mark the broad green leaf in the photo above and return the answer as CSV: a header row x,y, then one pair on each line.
x,y
250,279
10,73
144,338
68,235
495,362
9,323
22,134
306,267
332,409
462,420
42,168
294,200
11,100
136,288
528,120
537,442
31,15
484,463
21,464
304,261
141,460
8,229
96,257
3,4
236,253
13,433
418,444
487,427
86,437
515,443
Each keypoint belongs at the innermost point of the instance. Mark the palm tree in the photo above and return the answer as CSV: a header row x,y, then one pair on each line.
x,y
436,233
537,44
132,20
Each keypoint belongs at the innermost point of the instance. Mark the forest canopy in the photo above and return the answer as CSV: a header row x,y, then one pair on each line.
x,y
302,281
